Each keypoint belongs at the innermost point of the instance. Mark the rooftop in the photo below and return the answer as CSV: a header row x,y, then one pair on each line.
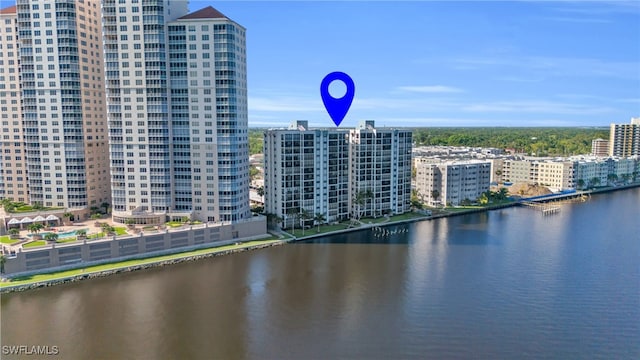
x,y
8,10
205,13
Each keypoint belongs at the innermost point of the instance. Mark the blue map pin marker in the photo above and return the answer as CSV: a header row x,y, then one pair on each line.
x,y
337,108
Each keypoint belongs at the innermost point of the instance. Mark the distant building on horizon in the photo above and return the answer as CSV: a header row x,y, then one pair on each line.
x,y
600,147
326,170
624,139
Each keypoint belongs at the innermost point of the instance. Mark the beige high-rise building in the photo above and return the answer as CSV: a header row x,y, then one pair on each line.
x,y
600,147
63,119
624,139
13,167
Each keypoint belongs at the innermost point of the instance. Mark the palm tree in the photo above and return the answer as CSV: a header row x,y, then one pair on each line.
x,y
305,215
67,217
580,184
35,229
294,213
358,201
81,234
595,181
319,218
53,237
435,194
260,191
3,260
502,194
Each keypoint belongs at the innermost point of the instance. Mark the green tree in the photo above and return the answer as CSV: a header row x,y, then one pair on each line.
x,y
415,199
305,215
260,191
581,184
272,219
52,237
319,219
502,194
253,172
14,232
595,181
81,234
3,260
293,213
358,201
37,206
35,228
67,216
435,194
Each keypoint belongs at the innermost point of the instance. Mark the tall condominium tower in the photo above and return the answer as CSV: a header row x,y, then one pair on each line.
x,y
306,170
380,169
177,100
624,139
13,165
337,173
63,104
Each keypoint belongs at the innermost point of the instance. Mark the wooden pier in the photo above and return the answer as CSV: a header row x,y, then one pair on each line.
x,y
552,204
545,208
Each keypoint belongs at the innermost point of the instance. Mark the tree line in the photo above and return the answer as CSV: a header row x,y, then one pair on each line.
x,y
539,141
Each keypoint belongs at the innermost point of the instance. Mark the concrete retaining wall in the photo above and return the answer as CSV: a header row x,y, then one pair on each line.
x,y
71,255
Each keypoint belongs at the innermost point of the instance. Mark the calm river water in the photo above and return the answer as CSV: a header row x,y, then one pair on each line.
x,y
507,284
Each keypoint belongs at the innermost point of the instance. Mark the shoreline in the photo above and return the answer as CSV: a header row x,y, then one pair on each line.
x,y
193,255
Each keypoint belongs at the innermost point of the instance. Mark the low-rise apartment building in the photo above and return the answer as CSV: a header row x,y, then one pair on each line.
x,y
452,182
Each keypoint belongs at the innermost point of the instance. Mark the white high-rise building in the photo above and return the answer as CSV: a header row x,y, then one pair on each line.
x,y
327,171
177,100
306,170
63,115
380,168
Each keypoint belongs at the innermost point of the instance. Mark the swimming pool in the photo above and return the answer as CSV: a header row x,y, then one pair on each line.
x,y
61,235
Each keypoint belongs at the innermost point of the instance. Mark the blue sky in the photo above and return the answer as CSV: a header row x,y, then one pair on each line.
x,y
428,63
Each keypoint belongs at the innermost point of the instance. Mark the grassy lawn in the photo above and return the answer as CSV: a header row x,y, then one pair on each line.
x,y
373,220
66,240
121,230
29,208
34,244
99,235
6,239
124,264
174,224
323,229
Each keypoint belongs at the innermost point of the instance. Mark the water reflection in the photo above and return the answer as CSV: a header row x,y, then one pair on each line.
x,y
506,284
